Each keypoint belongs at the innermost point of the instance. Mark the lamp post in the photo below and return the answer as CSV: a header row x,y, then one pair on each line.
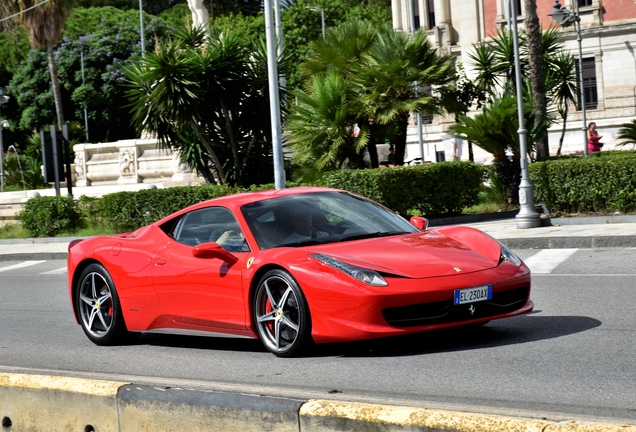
x,y
3,100
274,98
418,115
141,28
322,16
527,216
563,17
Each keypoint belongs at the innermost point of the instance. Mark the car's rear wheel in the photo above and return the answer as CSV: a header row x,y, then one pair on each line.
x,y
98,307
281,314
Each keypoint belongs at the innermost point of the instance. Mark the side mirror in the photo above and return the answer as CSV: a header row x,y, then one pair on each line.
x,y
213,250
419,222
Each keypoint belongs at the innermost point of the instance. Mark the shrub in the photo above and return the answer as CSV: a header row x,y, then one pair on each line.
x,y
602,182
433,189
47,216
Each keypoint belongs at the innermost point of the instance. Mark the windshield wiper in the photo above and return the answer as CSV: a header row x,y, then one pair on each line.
x,y
372,235
309,242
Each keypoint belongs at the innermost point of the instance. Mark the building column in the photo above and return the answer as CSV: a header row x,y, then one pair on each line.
x,y
396,10
443,28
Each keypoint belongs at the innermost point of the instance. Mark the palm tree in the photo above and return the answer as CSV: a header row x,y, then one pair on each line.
x,y
213,89
561,82
341,50
44,25
320,125
385,78
495,130
536,71
627,133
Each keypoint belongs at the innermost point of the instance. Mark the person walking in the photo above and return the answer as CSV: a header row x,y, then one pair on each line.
x,y
593,139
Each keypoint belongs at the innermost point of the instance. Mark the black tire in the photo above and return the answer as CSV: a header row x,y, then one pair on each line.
x,y
98,308
281,315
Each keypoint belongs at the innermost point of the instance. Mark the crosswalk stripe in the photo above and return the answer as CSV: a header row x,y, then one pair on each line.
x,y
547,260
56,271
21,265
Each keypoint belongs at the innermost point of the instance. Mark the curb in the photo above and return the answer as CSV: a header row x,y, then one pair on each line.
x,y
34,256
570,242
53,403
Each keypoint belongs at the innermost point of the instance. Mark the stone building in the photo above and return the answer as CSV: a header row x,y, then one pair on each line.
x,y
608,29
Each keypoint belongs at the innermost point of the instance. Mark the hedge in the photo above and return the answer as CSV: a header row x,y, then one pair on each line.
x,y
433,189
602,182
47,216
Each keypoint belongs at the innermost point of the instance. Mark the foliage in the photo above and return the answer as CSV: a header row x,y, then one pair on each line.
x,y
495,65
114,39
213,94
601,182
415,187
362,75
320,125
23,172
13,230
46,216
627,134
493,191
14,46
495,130
132,210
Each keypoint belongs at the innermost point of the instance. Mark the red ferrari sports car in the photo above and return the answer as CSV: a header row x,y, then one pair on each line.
x,y
290,267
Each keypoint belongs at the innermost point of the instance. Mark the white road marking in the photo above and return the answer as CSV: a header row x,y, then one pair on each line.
x,y
21,265
56,271
547,260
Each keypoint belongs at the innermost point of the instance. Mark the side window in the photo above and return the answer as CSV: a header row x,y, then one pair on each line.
x,y
211,224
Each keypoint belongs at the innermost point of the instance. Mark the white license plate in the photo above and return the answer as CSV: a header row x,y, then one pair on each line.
x,y
472,295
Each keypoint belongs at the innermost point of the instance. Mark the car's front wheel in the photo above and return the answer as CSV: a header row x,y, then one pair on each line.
x,y
281,314
98,307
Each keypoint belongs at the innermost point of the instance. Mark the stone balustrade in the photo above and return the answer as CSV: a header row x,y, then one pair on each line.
x,y
130,162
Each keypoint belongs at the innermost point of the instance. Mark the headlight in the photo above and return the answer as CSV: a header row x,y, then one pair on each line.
x,y
369,277
510,256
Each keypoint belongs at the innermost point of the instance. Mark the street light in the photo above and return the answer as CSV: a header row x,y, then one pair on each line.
x,y
322,15
3,100
563,17
141,28
527,216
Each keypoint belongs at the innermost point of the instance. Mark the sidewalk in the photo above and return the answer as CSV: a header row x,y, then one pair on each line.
x,y
583,232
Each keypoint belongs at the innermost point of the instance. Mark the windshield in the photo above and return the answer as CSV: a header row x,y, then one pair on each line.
x,y
318,218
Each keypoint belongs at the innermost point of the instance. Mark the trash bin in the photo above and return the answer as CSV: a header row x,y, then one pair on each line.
x,y
440,156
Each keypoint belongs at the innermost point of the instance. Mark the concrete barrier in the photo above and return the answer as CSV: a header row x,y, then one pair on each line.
x,y
53,404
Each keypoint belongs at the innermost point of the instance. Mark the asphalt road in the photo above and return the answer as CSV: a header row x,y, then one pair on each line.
x,y
574,357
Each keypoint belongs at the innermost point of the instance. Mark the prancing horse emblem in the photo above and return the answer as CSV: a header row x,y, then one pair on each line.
x,y
471,309
457,269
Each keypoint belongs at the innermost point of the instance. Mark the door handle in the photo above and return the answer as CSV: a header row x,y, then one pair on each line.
x,y
160,261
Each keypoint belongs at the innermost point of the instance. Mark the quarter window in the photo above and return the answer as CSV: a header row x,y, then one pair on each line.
x,y
211,224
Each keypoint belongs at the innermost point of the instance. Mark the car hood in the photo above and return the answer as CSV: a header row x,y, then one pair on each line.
x,y
421,255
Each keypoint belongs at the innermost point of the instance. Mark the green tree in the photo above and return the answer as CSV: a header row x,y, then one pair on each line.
x,y
627,134
108,38
44,25
321,125
563,90
495,130
215,91
536,71
386,75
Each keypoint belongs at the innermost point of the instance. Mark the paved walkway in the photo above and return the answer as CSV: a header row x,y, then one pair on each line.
x,y
596,233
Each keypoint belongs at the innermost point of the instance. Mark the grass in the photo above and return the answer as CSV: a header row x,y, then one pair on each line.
x,y
91,231
13,230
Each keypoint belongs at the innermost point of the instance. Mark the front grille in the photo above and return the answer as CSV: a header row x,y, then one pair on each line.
x,y
445,311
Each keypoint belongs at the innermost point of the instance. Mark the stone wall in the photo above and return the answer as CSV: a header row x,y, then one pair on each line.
x,y
130,162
